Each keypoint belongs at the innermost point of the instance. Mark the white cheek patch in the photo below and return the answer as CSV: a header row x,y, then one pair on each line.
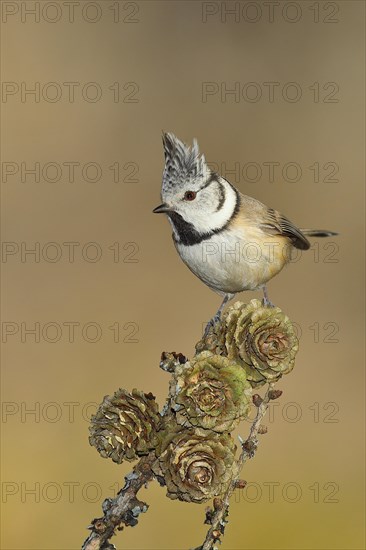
x,y
175,232
204,222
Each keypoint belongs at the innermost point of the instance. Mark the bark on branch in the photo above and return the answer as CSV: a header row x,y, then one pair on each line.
x,y
122,510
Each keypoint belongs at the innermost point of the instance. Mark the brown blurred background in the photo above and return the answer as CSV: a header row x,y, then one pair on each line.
x,y
108,78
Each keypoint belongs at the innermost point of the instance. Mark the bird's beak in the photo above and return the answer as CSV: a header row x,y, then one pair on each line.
x,y
162,209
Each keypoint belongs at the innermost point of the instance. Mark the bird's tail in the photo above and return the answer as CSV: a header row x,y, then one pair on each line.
x,y
318,232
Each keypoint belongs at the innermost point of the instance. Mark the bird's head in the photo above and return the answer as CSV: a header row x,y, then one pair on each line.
x,y
190,189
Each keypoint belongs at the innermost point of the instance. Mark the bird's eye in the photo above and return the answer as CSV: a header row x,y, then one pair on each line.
x,y
189,195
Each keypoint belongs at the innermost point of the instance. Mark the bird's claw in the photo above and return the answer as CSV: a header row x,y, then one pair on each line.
x,y
212,322
267,303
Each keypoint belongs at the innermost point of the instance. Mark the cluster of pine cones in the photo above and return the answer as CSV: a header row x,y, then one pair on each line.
x,y
208,397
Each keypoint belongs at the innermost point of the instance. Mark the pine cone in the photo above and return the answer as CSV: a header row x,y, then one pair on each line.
x,y
211,392
263,338
214,341
196,467
125,425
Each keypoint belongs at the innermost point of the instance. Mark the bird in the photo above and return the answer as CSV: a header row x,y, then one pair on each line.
x,y
230,241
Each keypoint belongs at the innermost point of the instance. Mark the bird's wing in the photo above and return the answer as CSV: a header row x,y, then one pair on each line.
x,y
271,221
275,223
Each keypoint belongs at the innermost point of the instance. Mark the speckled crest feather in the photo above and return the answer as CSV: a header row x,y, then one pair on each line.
x,y
181,162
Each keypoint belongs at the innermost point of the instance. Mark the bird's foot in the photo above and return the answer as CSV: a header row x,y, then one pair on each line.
x,y
212,322
266,301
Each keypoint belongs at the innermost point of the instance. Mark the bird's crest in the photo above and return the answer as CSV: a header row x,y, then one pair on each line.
x,y
181,162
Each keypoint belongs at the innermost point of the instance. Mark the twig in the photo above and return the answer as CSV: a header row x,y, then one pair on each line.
x,y
123,509
217,518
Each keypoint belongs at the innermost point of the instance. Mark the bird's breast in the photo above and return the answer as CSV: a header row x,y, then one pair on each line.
x,y
236,259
